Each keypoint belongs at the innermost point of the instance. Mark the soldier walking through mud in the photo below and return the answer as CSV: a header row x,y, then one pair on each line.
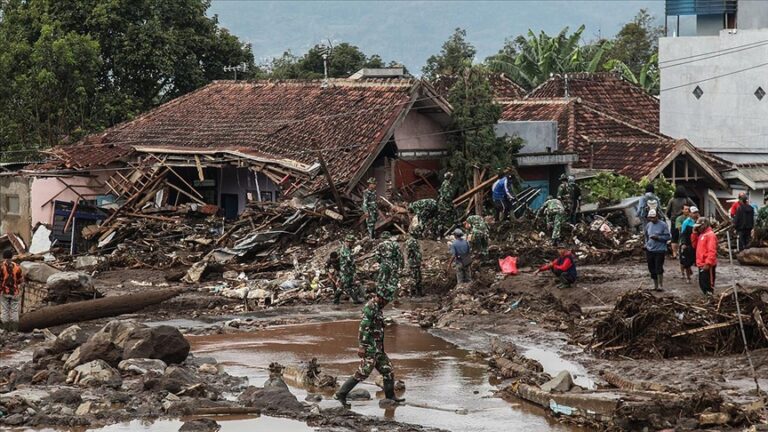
x,y
479,237
390,265
371,207
425,211
413,248
347,271
554,214
371,350
446,214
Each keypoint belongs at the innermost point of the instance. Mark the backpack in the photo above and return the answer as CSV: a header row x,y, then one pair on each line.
x,y
10,278
652,203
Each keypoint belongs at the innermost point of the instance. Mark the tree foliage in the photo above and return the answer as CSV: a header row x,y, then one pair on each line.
x,y
474,117
71,67
455,56
648,78
343,60
609,188
636,42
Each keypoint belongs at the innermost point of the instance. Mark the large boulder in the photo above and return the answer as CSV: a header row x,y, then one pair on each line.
x,y
95,374
275,399
69,281
106,344
69,339
165,343
37,271
561,383
753,256
174,380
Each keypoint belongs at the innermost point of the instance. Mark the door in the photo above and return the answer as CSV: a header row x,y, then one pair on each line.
x,y
229,202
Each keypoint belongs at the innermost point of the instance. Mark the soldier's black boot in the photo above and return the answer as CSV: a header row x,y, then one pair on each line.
x,y
389,391
344,390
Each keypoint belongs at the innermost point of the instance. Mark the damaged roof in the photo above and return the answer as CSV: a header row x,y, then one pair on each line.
x,y
608,90
285,121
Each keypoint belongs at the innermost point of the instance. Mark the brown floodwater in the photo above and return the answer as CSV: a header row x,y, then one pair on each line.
x,y
446,387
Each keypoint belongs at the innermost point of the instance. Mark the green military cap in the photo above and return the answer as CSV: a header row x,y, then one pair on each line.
x,y
385,235
563,177
371,180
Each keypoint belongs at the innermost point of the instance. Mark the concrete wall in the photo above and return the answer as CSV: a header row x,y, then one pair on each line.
x,y
19,223
45,188
728,119
241,181
709,25
538,136
752,14
420,132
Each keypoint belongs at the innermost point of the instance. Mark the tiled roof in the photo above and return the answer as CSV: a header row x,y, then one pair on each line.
x,y
502,87
608,91
579,123
281,120
85,155
630,157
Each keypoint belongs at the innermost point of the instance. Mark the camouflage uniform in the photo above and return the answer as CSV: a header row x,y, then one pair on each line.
x,y
554,211
414,263
371,338
346,274
446,214
565,193
370,208
426,211
390,264
479,234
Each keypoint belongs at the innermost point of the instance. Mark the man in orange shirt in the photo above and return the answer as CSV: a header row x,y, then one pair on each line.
x,y
10,292
706,255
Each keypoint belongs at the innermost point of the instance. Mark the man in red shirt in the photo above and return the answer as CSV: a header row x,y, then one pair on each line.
x,y
706,255
563,267
735,206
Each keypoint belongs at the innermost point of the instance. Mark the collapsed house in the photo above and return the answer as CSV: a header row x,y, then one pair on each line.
x,y
230,143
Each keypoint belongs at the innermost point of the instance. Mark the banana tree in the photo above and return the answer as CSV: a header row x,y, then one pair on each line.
x,y
647,79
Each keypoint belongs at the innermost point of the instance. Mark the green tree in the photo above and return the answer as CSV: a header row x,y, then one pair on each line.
x,y
455,56
71,67
474,117
648,78
343,60
531,60
636,42
609,188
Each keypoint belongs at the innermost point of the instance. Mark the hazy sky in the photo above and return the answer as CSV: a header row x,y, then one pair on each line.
x,y
411,31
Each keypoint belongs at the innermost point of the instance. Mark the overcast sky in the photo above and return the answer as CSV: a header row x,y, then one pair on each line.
x,y
411,31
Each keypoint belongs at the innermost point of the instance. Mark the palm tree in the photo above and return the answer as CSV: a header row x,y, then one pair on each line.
x,y
648,79
539,57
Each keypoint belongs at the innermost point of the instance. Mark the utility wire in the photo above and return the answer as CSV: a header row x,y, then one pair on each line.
x,y
714,77
714,53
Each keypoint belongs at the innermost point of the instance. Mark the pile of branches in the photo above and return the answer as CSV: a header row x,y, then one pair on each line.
x,y
644,326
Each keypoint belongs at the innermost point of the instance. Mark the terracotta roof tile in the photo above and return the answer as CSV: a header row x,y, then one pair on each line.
x,y
630,157
502,87
607,90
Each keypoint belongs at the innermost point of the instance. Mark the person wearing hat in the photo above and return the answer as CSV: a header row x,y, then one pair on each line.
x,y
371,351
563,267
656,237
371,207
413,248
706,255
675,215
554,214
503,199
347,269
649,201
744,221
390,264
446,213
461,256
687,252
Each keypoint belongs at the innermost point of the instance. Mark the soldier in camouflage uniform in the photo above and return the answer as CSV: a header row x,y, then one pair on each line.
x,y
413,248
554,212
370,207
371,351
426,211
446,214
346,272
565,194
479,231
390,264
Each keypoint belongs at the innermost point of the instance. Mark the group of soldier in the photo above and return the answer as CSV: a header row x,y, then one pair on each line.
x,y
564,207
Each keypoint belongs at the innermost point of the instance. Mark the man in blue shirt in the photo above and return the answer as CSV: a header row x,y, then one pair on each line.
x,y
656,237
460,256
502,197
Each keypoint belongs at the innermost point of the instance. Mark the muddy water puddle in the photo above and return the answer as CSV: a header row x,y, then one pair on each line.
x,y
446,387
228,424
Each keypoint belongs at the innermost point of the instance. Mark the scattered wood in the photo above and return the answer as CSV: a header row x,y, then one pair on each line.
x,y
705,328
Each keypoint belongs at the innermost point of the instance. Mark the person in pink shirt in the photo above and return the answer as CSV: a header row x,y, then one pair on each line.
x,y
706,255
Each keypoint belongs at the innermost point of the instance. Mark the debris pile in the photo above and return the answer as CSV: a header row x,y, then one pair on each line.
x,y
644,326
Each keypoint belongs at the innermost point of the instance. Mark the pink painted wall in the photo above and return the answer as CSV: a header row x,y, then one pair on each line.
x,y
419,132
44,188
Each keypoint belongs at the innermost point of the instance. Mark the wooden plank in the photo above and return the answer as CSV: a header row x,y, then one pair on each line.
x,y
334,191
183,181
199,166
157,218
705,328
466,195
192,197
71,215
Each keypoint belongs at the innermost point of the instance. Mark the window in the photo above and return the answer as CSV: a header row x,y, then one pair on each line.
x,y
698,92
759,93
13,204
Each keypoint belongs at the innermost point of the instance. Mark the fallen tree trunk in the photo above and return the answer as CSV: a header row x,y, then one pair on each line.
x,y
753,256
92,309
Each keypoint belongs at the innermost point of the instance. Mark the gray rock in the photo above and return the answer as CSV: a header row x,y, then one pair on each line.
x,y
174,380
142,366
14,420
359,394
106,344
66,396
276,400
95,373
63,281
163,342
69,339
37,271
561,383
312,397
200,425
86,261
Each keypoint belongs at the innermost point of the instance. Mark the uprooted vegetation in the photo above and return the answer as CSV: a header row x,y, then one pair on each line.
x,y
645,326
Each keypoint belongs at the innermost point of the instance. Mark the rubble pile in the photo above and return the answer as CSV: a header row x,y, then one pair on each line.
x,y
644,326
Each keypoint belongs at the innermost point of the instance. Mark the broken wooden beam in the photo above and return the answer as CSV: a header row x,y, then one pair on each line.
x,y
468,194
705,328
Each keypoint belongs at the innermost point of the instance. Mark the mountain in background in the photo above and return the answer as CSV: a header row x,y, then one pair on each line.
x,y
409,32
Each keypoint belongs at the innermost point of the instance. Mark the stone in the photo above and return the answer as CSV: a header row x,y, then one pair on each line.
x,y
359,394
14,420
277,400
162,342
710,419
86,261
312,397
561,383
208,369
142,366
95,373
174,379
30,396
64,281
66,396
90,407
69,339
315,410
106,344
98,349
66,411
200,425
37,271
